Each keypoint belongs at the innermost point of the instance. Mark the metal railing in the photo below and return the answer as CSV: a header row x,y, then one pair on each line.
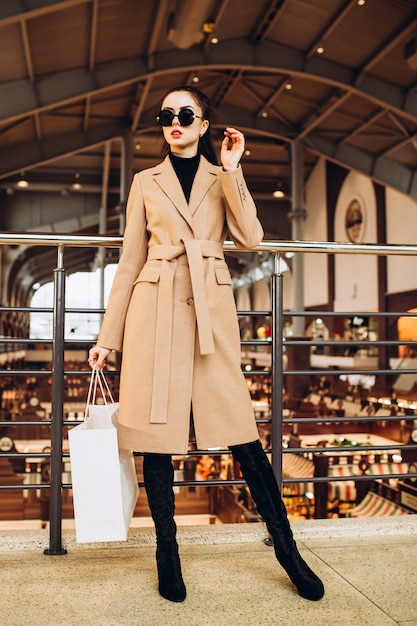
x,y
277,343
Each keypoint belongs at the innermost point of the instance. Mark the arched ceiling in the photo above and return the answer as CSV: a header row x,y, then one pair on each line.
x,y
77,75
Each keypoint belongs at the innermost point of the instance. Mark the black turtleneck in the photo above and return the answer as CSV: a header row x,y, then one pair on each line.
x,y
185,169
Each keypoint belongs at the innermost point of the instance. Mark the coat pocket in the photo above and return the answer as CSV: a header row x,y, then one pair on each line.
x,y
149,274
223,276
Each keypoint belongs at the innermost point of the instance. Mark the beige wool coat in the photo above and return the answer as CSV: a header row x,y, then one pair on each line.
x,y
172,313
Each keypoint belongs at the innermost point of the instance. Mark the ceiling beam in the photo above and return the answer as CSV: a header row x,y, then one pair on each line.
x,y
364,125
381,169
406,29
28,155
12,11
157,28
322,112
142,93
27,51
332,25
268,21
21,98
93,37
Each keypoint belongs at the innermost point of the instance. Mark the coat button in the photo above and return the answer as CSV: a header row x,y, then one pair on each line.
x,y
190,301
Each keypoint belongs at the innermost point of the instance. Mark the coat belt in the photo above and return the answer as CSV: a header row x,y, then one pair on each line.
x,y
195,250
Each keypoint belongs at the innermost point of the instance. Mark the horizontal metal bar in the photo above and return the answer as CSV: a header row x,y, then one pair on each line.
x,y
85,311
349,449
326,247
25,423
222,483
256,342
358,343
250,313
349,418
24,372
338,372
25,340
254,313
26,309
33,486
348,314
30,239
26,455
341,479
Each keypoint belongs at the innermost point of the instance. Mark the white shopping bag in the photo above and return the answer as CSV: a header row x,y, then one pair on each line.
x,y
104,481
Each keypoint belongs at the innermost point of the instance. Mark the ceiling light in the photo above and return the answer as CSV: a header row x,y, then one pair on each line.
x,y
214,40
264,114
208,27
288,86
22,183
196,79
247,152
279,192
361,3
320,50
77,186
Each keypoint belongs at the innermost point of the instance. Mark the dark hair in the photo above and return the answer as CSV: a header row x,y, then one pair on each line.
x,y
205,145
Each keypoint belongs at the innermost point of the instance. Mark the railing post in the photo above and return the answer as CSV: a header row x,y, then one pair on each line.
x,y
277,369
58,348
277,376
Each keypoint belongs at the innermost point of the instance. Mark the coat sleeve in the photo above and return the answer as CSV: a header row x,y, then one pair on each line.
x,y
135,244
244,227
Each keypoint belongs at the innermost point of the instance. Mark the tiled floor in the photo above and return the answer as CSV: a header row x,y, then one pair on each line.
x,y
369,568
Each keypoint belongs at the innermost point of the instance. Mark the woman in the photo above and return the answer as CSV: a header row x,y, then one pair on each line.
x,y
171,311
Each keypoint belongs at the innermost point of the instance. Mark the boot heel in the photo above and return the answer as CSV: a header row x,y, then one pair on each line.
x,y
171,584
308,584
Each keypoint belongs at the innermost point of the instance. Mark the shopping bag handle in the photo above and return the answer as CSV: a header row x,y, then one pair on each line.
x,y
98,378
102,380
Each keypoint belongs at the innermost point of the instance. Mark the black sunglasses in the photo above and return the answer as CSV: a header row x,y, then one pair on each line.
x,y
185,117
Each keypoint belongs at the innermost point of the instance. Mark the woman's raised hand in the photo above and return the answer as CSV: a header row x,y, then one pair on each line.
x,y
232,148
97,357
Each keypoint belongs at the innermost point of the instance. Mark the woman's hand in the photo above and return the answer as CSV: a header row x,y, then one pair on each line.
x,y
233,145
97,357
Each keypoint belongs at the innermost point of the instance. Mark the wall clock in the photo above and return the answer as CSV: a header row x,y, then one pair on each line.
x,y
355,221
412,470
6,444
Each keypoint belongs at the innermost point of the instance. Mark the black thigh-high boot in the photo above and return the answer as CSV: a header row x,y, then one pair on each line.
x,y
260,478
158,474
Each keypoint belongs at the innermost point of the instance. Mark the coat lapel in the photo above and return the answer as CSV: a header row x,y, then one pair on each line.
x,y
206,176
166,178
